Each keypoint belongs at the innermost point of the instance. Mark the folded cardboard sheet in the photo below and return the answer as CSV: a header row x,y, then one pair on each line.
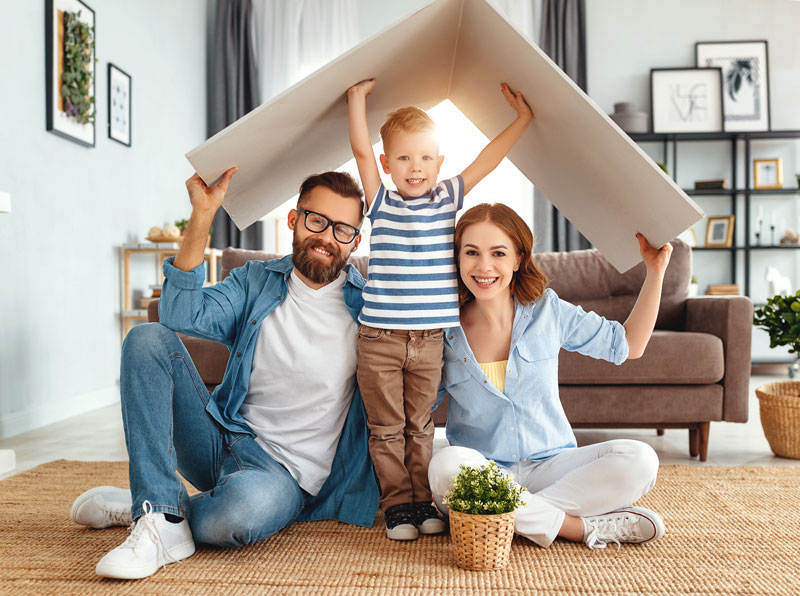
x,y
459,50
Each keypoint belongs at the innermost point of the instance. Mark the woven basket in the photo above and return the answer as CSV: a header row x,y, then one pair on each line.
x,y
481,542
779,404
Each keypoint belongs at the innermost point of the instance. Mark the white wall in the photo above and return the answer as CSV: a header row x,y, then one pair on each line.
x,y
71,205
626,38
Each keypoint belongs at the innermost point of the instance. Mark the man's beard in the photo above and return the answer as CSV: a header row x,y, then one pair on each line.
x,y
316,270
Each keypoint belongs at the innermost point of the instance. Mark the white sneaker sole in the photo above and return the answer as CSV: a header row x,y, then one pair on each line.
x,y
432,526
402,532
179,552
86,497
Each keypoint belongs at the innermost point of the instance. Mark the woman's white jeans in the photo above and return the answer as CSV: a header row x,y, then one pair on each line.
x,y
580,482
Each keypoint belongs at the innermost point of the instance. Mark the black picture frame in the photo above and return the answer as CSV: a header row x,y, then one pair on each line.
x,y
745,72
56,119
120,102
686,100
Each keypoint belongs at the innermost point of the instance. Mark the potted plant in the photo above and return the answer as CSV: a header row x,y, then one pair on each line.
x,y
779,402
482,501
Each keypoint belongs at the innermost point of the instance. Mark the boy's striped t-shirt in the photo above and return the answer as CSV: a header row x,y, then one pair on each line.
x,y
412,270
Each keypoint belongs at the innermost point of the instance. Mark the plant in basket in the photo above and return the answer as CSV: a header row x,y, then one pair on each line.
x,y
779,402
482,501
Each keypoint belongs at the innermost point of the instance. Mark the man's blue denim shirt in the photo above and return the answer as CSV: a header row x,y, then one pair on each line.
x,y
526,422
231,313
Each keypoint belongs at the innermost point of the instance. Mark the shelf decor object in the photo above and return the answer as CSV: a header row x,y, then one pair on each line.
x,y
686,99
768,173
119,105
745,72
70,70
719,233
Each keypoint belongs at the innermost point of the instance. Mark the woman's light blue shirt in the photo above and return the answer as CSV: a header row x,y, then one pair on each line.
x,y
526,422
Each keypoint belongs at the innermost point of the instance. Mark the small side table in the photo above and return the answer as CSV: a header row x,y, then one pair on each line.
x,y
161,250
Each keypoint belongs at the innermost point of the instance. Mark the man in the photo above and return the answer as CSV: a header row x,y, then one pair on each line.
x,y
284,436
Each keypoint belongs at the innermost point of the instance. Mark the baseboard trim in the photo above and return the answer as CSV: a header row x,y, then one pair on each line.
x,y
27,420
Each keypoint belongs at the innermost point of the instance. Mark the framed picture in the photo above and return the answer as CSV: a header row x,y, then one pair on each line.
x,y
767,173
119,105
70,70
719,233
745,74
686,99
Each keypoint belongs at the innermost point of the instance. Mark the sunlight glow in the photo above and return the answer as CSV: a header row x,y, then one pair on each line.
x,y
461,142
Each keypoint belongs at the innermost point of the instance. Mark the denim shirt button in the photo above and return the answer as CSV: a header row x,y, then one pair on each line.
x,y
280,297
254,322
449,337
465,359
239,354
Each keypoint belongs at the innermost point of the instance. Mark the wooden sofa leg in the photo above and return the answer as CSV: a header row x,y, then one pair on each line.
x,y
703,432
694,442
660,432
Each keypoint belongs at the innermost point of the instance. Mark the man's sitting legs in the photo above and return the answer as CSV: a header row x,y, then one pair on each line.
x,y
246,497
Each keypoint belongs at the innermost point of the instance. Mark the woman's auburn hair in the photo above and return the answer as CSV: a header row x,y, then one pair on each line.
x,y
529,281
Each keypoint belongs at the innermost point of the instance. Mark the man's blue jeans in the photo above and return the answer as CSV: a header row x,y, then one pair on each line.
x,y
246,495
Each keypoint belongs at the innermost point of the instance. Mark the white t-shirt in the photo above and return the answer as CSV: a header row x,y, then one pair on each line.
x,y
303,380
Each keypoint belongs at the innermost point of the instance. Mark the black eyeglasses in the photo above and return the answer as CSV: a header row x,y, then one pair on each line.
x,y
318,223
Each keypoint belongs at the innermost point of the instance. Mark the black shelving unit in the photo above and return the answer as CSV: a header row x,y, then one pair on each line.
x,y
670,143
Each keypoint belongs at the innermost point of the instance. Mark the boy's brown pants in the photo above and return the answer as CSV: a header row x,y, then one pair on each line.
x,y
399,372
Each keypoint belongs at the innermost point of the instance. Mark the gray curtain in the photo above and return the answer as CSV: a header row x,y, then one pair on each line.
x,y
233,91
563,38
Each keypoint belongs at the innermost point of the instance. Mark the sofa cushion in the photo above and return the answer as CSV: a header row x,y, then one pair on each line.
x,y
236,257
641,404
586,278
671,358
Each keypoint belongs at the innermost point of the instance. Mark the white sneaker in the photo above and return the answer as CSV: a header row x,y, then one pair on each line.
x,y
153,543
629,524
102,507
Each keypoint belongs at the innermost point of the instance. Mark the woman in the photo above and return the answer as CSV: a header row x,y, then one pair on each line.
x,y
501,371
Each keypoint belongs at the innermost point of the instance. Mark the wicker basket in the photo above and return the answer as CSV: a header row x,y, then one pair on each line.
x,y
779,404
481,542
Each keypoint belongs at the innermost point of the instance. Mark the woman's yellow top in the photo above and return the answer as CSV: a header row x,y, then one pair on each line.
x,y
496,372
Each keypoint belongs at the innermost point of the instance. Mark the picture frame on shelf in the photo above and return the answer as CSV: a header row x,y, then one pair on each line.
x,y
120,88
719,232
745,72
686,100
70,76
768,173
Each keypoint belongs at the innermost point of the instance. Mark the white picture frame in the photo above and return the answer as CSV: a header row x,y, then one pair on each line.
x,y
686,100
745,79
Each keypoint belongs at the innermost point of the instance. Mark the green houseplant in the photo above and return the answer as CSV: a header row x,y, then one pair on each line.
x,y
482,501
780,317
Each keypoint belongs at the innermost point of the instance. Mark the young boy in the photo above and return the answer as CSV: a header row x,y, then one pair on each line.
x,y
411,294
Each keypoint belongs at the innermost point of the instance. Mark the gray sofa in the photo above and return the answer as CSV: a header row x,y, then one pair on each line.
x,y
696,368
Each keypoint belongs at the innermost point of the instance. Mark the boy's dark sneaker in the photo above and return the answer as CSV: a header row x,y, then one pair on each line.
x,y
427,520
400,522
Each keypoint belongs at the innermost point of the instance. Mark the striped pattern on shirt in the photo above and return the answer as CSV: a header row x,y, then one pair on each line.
x,y
412,270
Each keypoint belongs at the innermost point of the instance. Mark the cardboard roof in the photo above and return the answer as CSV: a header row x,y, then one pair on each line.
x,y
459,50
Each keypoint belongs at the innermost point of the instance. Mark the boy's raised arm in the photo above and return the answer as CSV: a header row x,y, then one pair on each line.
x,y
359,138
498,148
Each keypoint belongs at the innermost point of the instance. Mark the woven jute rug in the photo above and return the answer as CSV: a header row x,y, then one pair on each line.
x,y
729,531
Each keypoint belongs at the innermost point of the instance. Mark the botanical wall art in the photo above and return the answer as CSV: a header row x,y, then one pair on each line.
x,y
686,99
745,74
119,105
70,70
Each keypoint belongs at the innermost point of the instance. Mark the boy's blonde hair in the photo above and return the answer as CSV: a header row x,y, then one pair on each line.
x,y
409,119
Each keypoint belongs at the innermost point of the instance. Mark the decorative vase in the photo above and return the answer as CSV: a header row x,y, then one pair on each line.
x,y
481,542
